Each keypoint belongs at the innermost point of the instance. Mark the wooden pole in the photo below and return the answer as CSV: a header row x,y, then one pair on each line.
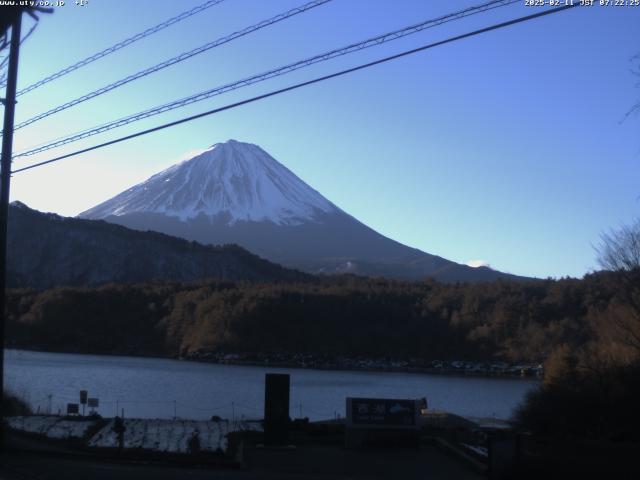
x,y
5,181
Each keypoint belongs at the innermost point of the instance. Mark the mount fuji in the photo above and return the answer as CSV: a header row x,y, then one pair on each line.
x,y
235,192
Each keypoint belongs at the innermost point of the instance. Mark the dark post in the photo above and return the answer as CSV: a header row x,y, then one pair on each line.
x,y
5,180
276,409
83,400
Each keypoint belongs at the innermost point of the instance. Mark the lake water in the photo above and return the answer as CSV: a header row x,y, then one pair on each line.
x,y
162,388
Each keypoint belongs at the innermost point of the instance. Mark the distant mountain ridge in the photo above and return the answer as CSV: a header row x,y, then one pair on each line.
x,y
235,192
46,250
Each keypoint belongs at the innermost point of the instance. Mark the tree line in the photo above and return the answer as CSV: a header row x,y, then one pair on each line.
x,y
515,321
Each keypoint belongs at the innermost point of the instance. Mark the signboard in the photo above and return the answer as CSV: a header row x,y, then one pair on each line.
x,y
73,408
382,412
93,402
83,397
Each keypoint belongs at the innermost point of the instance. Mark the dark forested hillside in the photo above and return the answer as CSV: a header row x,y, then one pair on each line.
x,y
46,250
515,321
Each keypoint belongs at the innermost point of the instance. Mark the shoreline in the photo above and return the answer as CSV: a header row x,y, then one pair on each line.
x,y
489,369
452,372
463,369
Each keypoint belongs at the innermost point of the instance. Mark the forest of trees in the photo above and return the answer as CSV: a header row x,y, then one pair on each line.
x,y
527,321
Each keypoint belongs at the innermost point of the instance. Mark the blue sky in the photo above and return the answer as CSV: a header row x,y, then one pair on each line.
x,y
510,147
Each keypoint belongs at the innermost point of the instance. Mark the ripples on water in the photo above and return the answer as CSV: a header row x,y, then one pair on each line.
x,y
156,388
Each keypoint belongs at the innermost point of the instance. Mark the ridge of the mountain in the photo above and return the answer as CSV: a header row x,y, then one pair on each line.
x,y
236,192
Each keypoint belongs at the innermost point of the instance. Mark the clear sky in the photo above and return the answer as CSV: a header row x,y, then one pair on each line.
x,y
509,148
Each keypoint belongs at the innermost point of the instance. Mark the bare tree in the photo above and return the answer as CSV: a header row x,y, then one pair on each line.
x,y
619,326
7,15
620,249
635,70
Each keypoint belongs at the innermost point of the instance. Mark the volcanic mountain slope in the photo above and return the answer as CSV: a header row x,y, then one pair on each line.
x,y
237,193
46,250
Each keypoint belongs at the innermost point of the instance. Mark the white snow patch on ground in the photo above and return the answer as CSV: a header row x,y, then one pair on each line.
x,y
171,435
156,435
50,426
248,426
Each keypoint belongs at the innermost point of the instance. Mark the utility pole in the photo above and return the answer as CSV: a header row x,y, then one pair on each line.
x,y
5,180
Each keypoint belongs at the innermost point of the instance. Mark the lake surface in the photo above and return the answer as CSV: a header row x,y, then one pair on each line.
x,y
162,388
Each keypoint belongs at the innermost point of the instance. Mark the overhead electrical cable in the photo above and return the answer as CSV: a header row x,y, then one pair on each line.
x,y
378,40
174,60
300,85
120,45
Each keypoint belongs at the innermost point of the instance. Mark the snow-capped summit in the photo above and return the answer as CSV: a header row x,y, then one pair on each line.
x,y
234,180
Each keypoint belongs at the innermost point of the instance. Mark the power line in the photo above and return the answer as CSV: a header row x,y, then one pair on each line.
x,y
302,84
378,40
122,44
174,60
